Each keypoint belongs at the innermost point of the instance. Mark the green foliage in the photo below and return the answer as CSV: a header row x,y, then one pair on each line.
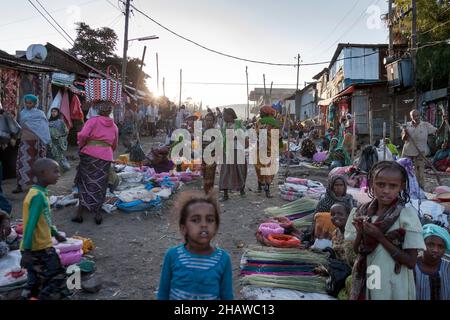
x,y
433,69
97,47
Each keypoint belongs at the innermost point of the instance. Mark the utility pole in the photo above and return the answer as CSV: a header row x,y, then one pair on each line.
x,y
164,86
391,92
265,93
298,69
140,71
181,84
391,35
157,73
248,103
270,93
414,49
125,44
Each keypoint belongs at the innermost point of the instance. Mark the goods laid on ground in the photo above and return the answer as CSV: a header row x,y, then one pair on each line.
x,y
286,268
296,188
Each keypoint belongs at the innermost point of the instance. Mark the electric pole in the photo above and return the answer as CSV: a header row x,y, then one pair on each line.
x,y
298,69
414,49
265,93
248,103
125,44
157,73
164,86
181,84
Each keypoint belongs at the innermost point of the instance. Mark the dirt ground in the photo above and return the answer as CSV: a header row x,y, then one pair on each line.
x,y
130,246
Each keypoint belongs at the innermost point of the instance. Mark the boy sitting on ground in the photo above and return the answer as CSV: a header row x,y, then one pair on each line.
x,y
46,276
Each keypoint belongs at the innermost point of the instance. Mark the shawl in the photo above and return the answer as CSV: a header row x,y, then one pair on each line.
x,y
35,121
270,121
369,244
329,199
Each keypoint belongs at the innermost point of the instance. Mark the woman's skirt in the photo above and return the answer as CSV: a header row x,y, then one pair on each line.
x,y
92,182
29,152
233,176
209,174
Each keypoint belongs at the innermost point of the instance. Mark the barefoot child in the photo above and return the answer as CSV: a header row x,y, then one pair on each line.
x,y
386,237
46,276
433,268
195,270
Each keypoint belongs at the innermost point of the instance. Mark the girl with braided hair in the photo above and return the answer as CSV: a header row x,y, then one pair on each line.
x,y
386,237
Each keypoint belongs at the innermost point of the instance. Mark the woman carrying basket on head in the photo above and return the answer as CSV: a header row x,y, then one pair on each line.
x,y
97,141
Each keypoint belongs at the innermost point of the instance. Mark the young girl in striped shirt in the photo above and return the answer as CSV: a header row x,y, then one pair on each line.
x,y
195,270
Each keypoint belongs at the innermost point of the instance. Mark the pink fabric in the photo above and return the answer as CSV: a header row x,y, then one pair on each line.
x,y
70,257
75,109
65,109
101,129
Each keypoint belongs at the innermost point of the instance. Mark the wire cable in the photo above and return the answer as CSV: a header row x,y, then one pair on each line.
x,y
37,9
239,58
48,13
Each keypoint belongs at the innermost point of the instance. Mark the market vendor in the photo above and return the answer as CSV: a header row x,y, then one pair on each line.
x,y
441,160
158,159
337,155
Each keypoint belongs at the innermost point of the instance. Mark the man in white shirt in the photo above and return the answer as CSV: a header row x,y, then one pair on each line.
x,y
152,116
419,132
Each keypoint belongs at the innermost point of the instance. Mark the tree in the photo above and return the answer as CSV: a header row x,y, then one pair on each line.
x,y
433,69
97,47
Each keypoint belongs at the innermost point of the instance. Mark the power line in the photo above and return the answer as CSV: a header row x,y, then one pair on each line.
x,y
37,9
438,26
337,25
113,5
68,35
350,28
238,58
30,18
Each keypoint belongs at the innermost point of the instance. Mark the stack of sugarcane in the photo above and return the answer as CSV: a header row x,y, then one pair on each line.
x,y
283,268
300,212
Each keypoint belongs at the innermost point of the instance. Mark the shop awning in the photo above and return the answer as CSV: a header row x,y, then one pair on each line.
x,y
345,92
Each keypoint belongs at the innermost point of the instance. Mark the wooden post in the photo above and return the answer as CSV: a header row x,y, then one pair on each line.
x,y
265,93
354,137
181,84
384,140
164,86
370,128
248,102
270,93
157,73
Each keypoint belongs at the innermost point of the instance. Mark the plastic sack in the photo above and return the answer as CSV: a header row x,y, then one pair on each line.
x,y
139,205
70,257
270,228
322,244
266,293
320,156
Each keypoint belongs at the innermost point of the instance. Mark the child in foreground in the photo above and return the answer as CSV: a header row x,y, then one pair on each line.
x,y
195,270
46,276
386,238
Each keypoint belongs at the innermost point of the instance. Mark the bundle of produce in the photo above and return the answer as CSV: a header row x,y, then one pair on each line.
x,y
290,255
303,222
301,206
315,284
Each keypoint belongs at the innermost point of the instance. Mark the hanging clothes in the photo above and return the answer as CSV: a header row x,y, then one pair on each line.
x,y
65,109
76,113
56,103
10,85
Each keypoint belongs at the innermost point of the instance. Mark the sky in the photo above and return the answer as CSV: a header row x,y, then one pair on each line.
x,y
265,30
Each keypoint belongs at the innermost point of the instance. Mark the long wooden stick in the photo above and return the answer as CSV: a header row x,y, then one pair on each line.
x,y
420,153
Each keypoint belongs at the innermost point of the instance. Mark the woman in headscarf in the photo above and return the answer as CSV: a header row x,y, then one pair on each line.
x,y
269,123
97,141
336,193
432,270
232,176
337,153
34,140
58,133
208,170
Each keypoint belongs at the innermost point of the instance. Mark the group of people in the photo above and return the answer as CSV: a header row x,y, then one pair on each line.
x,y
384,235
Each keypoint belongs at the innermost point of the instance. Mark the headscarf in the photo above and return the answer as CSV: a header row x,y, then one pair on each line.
x,y
36,121
268,110
51,118
391,147
104,109
330,197
435,230
30,97
230,112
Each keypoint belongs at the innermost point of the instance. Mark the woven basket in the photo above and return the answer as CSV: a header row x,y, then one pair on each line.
x,y
104,89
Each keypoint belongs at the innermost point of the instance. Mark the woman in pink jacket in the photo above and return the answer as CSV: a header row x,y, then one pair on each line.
x,y
97,141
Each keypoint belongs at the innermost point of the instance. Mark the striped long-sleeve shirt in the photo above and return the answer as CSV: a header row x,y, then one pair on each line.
x,y
188,276
433,286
